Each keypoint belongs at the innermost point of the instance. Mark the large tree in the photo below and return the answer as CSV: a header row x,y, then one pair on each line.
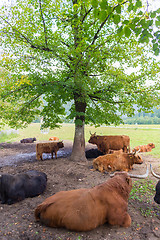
x,y
96,55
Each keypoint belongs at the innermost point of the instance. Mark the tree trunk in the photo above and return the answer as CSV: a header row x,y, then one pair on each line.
x,y
78,151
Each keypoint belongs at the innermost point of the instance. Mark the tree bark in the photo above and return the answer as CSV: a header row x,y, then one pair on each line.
x,y
78,150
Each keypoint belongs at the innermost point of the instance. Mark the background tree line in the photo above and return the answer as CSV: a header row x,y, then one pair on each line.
x,y
144,118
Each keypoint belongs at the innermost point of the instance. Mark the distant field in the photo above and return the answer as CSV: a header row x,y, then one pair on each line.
x,y
139,134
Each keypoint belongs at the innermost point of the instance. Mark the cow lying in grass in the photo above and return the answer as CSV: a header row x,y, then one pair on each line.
x,y
48,147
117,161
86,209
28,140
53,139
14,188
144,148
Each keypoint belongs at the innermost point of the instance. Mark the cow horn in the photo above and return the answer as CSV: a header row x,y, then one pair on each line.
x,y
139,176
135,176
153,173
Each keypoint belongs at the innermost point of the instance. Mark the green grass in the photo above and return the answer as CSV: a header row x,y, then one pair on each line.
x,y
139,134
8,137
143,191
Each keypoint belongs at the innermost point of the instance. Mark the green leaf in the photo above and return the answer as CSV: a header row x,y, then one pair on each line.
x,y
125,22
155,46
104,4
120,29
157,51
102,15
157,23
139,3
127,31
94,3
118,9
96,12
130,7
153,14
116,19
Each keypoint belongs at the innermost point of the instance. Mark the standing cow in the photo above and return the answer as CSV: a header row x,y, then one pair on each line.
x,y
107,143
48,147
116,162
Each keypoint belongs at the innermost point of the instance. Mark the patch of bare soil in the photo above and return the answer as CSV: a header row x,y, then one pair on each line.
x,y
18,222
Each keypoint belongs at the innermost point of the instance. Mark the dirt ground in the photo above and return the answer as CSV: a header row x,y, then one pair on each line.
x,y
18,222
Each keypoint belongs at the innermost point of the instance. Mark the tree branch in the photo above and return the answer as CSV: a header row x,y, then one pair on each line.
x,y
44,25
86,14
103,23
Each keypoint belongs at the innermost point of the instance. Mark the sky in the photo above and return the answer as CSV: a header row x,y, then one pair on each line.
x,y
153,3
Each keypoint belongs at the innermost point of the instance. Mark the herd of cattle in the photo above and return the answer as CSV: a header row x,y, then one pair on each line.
x,y
74,209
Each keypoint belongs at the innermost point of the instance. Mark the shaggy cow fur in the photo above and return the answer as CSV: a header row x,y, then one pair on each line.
x,y
48,147
86,209
14,188
116,162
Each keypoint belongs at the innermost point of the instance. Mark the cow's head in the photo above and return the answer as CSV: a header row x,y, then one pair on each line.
x,y
93,138
136,158
151,145
60,144
34,139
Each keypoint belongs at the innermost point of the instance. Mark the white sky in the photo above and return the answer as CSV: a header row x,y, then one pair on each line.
x,y
153,3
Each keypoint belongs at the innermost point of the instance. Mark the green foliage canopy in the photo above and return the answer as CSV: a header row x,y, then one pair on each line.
x,y
95,54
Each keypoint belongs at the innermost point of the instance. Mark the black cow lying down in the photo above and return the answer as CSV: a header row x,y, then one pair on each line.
x,y
93,153
28,140
14,188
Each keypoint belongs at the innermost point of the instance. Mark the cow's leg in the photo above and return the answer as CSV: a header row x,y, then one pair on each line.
x,y
3,198
56,155
119,217
125,149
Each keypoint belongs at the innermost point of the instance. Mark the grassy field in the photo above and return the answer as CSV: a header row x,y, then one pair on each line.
x,y
139,134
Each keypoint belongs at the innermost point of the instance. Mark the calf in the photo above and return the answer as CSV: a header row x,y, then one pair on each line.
x,y
53,139
85,209
116,162
48,147
144,148
28,140
14,188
